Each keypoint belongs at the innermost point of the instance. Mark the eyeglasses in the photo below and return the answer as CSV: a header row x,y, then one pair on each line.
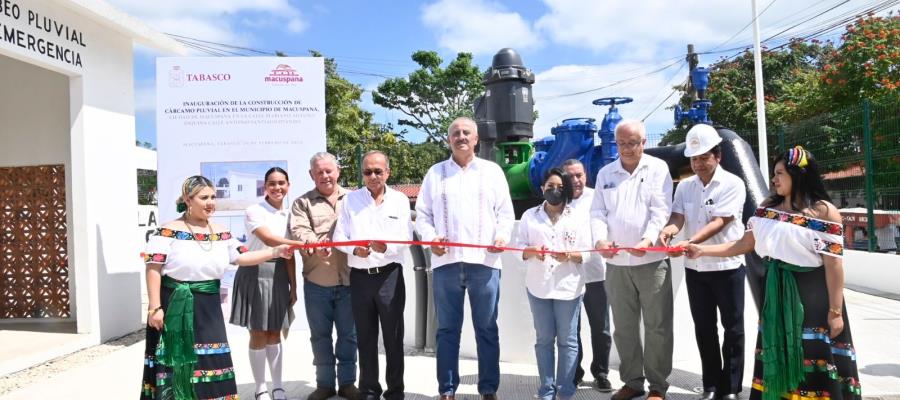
x,y
628,145
377,172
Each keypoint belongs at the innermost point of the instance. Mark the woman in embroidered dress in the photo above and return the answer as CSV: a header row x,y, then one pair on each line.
x,y
187,354
555,282
263,295
804,349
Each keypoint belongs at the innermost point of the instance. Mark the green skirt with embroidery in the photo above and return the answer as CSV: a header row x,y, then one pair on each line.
x,y
213,375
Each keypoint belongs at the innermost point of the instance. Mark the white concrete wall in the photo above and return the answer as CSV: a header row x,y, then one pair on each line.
x,y
34,111
99,120
109,173
876,273
145,158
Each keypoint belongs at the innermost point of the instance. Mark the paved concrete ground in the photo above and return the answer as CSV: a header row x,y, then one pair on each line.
x,y
875,322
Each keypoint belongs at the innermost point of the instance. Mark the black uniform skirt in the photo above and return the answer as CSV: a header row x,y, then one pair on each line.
x,y
829,364
214,373
261,297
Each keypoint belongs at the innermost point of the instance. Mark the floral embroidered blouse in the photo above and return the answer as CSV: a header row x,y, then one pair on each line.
x,y
196,257
795,238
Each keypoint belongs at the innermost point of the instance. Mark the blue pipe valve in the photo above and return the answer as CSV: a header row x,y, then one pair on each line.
x,y
698,114
700,80
607,134
612,101
612,117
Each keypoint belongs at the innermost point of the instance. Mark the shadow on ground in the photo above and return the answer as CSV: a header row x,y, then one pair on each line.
x,y
882,370
685,385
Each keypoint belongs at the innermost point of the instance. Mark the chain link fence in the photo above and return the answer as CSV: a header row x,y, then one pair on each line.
x,y
858,151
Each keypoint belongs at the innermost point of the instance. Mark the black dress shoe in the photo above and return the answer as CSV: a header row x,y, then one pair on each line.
x,y
601,384
349,392
707,396
492,396
322,394
732,396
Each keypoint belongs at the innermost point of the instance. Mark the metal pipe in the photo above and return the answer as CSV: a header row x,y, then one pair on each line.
x,y
760,99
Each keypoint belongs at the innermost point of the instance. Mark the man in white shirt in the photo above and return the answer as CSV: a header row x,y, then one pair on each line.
x,y
377,290
631,205
708,207
595,304
466,199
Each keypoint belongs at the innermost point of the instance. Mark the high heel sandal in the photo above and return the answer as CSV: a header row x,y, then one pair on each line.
x,y
283,394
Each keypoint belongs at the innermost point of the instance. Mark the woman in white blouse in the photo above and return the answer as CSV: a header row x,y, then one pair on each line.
x,y
187,355
804,349
552,233
263,295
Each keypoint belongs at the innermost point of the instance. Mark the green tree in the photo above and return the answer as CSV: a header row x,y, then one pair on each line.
x,y
432,96
347,125
791,88
351,131
865,65
410,161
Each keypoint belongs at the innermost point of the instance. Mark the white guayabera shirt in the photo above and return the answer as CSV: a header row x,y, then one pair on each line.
x,y
362,219
467,205
632,207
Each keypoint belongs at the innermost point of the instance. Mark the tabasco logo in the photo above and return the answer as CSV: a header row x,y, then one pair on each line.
x,y
176,77
179,77
284,74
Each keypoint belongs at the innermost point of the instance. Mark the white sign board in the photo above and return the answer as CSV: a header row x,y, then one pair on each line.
x,y
231,119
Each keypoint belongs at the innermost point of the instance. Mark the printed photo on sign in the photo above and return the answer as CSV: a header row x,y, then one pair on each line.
x,y
239,184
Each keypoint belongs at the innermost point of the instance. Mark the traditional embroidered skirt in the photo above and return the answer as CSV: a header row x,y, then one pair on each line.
x,y
261,297
213,376
829,365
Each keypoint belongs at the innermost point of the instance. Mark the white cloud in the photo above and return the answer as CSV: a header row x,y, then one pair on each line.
x,y
477,26
635,37
297,25
647,92
648,29
165,8
215,20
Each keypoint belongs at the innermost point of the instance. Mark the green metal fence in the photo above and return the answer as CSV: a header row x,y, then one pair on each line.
x,y
858,151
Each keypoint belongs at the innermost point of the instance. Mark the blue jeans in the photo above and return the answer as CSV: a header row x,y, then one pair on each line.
x,y
451,282
556,321
329,308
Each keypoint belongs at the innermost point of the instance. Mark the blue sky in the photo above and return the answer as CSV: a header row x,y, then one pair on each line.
x,y
571,45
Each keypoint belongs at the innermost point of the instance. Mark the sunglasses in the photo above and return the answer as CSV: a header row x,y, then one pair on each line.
x,y
377,172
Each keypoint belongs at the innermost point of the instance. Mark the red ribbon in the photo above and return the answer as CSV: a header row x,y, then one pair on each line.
x,y
365,243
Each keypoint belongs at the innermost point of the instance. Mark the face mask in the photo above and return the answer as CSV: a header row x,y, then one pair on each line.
x,y
553,196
